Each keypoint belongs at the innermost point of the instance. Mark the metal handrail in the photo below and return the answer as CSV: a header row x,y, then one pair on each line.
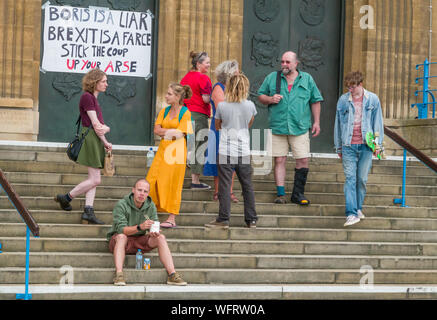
x,y
419,105
415,152
31,226
423,107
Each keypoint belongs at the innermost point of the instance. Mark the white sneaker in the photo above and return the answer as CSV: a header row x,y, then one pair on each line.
x,y
361,215
350,220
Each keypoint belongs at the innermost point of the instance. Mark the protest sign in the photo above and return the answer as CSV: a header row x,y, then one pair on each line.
x,y
80,39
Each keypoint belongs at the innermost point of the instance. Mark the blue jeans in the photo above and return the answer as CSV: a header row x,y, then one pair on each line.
x,y
357,161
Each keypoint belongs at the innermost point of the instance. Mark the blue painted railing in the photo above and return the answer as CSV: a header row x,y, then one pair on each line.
x,y
430,163
31,227
426,91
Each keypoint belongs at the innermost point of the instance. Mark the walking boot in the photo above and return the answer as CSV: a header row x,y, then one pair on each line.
x,y
63,202
88,216
300,179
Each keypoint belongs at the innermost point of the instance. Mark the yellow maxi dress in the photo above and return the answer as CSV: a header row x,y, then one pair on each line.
x,y
167,172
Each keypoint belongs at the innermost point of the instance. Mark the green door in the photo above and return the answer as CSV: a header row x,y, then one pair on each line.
x,y
119,37
312,29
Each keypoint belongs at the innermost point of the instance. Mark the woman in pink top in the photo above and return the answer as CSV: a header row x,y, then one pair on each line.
x,y
200,109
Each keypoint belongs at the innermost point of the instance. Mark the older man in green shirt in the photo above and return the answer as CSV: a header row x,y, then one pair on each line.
x,y
290,113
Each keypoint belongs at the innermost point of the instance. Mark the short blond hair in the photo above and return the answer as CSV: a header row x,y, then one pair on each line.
x,y
237,88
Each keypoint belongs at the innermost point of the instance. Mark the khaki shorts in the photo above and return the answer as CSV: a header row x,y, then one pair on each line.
x,y
300,146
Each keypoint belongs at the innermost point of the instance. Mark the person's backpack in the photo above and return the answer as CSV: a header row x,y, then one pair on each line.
x,y
181,113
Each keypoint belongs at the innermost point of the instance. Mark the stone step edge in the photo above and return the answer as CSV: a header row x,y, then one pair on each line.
x,y
228,255
284,242
263,192
340,216
312,170
235,228
227,270
61,146
254,181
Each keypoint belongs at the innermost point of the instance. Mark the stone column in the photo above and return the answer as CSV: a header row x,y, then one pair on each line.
x,y
20,28
388,50
203,25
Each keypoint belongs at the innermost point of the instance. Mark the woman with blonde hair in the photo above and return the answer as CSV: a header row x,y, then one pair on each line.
x,y
166,175
234,117
92,153
223,72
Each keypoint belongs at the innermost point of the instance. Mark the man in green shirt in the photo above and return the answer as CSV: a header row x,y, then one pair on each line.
x,y
132,217
290,113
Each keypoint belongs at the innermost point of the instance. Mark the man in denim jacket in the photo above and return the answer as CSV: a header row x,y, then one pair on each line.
x,y
358,112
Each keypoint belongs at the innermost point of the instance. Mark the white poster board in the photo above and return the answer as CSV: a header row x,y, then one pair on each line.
x,y
80,39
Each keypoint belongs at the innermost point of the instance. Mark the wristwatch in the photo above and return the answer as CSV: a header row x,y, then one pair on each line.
x,y
139,228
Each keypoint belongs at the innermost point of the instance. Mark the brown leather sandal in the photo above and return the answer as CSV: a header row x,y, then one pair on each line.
x,y
234,198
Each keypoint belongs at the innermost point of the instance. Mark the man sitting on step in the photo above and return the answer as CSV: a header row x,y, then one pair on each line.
x,y
132,217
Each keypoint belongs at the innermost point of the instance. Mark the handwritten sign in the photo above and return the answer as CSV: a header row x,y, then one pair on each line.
x,y
80,39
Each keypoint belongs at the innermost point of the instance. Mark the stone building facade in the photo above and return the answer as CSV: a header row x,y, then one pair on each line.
x,y
385,39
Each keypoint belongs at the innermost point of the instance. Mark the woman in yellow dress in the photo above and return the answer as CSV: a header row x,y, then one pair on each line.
x,y
167,172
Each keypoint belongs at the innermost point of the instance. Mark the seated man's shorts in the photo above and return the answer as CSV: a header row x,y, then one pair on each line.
x,y
133,244
300,145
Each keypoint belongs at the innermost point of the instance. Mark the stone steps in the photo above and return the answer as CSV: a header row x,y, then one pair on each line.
x,y
100,245
223,261
47,204
221,276
49,164
289,209
353,234
138,158
237,220
34,195
327,183
291,246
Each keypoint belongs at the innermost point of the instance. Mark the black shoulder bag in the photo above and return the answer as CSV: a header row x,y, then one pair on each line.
x,y
278,85
74,146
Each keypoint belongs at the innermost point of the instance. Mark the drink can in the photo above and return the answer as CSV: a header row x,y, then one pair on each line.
x,y
146,265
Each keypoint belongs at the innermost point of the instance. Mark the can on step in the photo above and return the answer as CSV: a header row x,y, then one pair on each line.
x,y
146,264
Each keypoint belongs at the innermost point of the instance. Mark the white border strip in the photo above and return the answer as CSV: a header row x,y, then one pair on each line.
x,y
56,289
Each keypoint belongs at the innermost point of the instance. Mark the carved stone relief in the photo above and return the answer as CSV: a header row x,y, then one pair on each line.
x,y
312,12
121,89
265,49
68,84
311,52
266,10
